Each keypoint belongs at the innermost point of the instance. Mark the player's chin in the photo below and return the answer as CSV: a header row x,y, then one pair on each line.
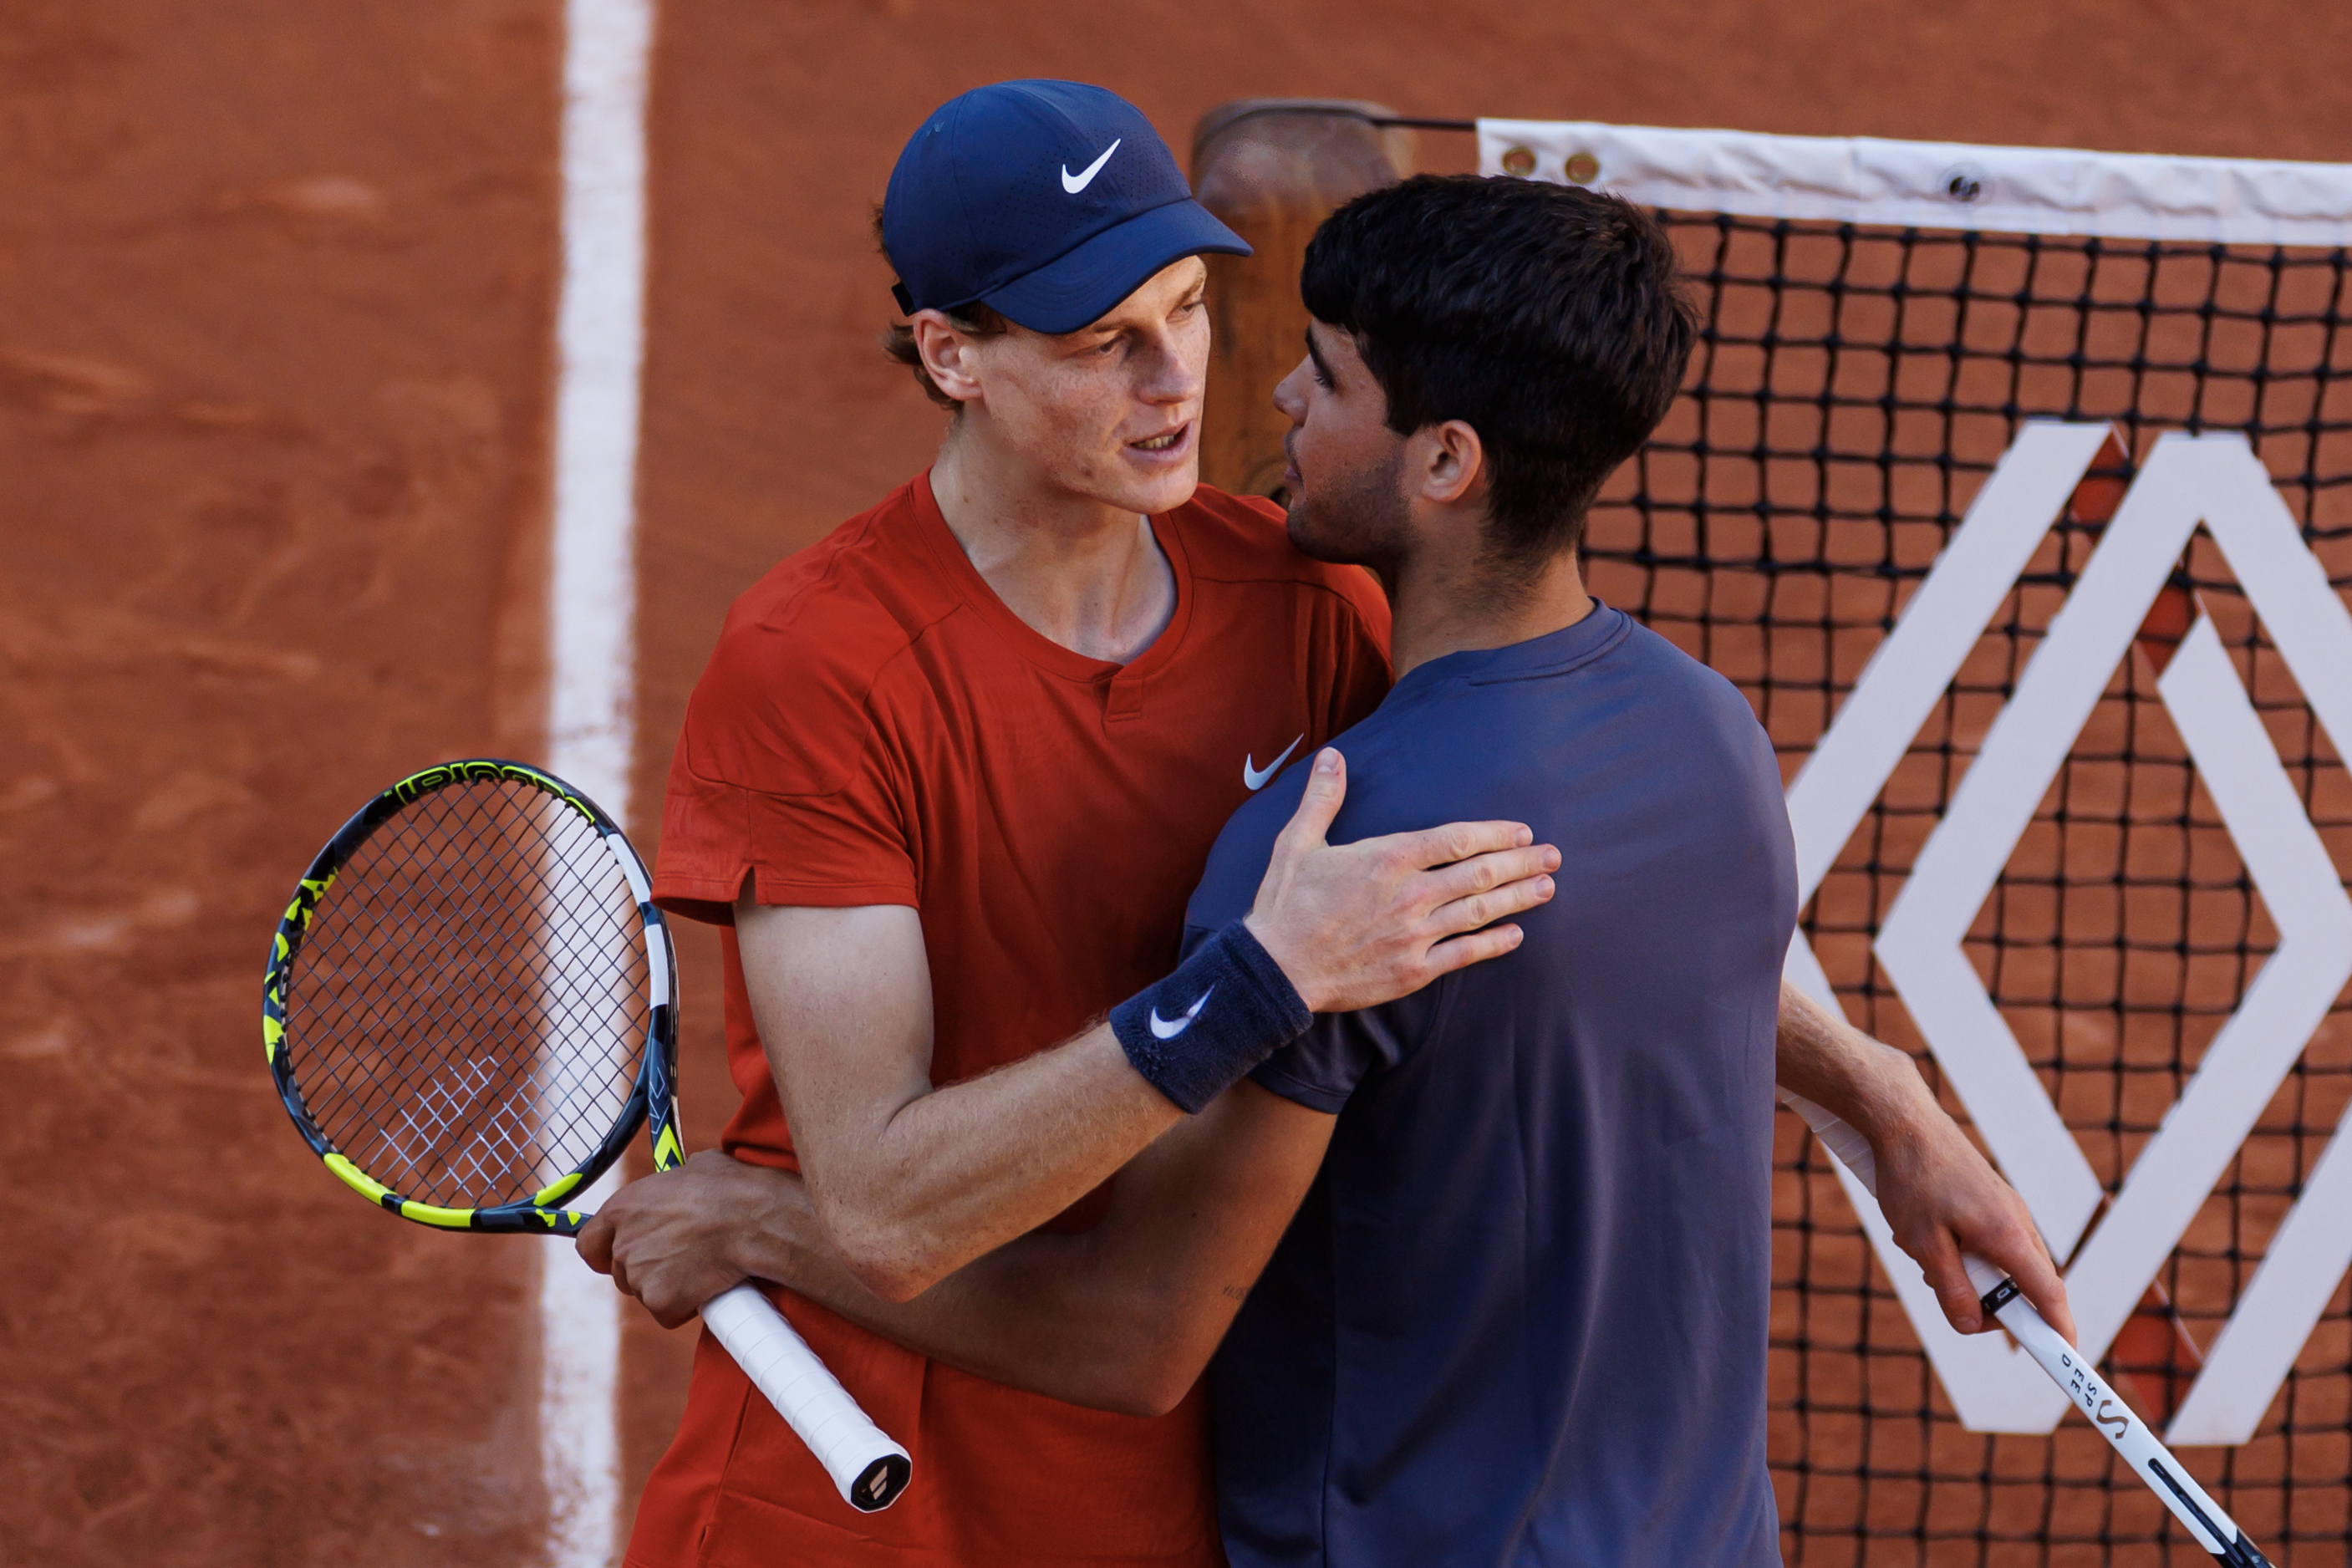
x,y
1312,535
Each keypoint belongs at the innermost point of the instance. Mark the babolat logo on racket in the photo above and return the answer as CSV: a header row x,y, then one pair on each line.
x,y
2127,593
417,784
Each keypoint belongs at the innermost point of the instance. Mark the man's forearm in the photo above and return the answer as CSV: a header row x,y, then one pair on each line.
x,y
1939,1196
1039,1313
1872,1087
1122,1316
958,1171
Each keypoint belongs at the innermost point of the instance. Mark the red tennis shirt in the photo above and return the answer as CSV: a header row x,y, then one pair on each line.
x,y
875,727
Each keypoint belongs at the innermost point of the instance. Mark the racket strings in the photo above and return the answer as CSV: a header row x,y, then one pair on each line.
x,y
469,1009
479,1112
421,1108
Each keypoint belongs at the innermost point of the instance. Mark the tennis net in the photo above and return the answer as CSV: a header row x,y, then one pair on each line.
x,y
1888,327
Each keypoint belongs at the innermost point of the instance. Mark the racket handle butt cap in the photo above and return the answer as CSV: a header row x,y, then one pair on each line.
x,y
868,1468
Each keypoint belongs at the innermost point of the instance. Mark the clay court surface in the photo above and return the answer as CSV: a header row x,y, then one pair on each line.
x,y
277,288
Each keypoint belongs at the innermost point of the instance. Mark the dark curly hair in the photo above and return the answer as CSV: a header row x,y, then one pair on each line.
x,y
1549,318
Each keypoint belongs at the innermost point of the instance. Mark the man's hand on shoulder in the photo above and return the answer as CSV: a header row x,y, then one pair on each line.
x,y
675,1240
1353,925
909,1179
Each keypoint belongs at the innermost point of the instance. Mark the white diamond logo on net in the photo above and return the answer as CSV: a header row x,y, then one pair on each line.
x,y
2219,482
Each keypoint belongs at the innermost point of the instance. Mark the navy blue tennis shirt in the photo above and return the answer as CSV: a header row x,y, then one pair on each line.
x,y
1520,1317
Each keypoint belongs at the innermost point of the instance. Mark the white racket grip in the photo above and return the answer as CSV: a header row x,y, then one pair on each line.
x,y
868,1468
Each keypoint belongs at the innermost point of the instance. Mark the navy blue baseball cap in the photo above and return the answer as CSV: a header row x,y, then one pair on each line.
x,y
1049,202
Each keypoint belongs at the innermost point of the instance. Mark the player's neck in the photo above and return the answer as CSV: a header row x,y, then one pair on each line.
x,y
1079,571
1443,602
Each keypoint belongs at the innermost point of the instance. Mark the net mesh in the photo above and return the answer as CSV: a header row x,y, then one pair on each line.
x,y
1852,389
466,1015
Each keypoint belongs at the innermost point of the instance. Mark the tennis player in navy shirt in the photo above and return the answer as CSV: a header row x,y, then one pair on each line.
x,y
1484,1271
1521,1315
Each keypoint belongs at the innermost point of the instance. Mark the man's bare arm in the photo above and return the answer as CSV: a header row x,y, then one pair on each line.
x,y
1123,1317
910,1182
904,1177
1939,1194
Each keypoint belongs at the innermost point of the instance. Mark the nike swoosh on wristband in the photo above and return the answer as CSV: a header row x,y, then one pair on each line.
x,y
1074,184
1255,777
1168,1029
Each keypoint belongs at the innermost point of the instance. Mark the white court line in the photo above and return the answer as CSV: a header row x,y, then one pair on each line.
x,y
600,333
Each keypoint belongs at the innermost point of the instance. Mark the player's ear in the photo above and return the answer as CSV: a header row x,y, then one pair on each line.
x,y
947,355
1452,463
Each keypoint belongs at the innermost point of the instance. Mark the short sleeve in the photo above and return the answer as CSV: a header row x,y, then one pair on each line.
x,y
802,806
1322,1067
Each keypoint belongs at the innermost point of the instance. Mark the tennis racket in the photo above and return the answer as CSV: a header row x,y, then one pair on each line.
x,y
470,1010
2147,1456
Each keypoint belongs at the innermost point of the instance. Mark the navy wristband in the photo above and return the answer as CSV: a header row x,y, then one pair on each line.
x,y
1227,1008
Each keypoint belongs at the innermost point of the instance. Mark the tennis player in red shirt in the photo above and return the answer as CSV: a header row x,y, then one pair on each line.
x,y
950,778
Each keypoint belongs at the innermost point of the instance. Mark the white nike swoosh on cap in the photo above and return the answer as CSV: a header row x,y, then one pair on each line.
x,y
1168,1029
1255,777
1074,185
